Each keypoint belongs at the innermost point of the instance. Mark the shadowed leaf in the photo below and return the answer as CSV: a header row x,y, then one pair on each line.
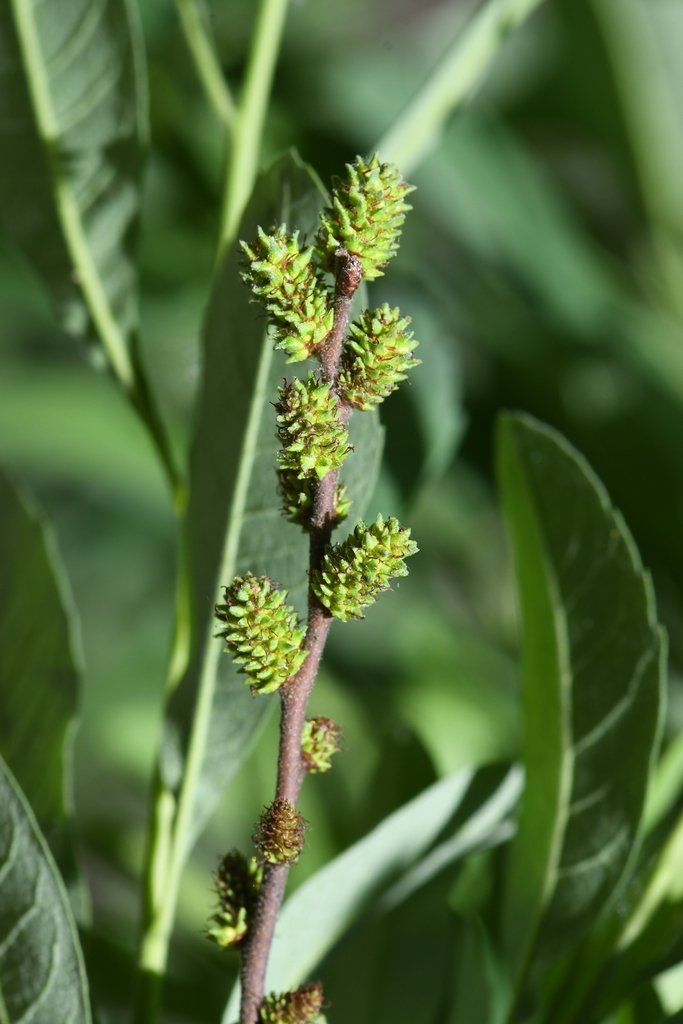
x,y
42,979
39,669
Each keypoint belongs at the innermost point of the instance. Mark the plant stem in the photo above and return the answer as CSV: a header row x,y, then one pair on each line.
x,y
454,79
250,117
294,694
206,61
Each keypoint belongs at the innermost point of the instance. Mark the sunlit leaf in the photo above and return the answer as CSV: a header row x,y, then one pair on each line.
x,y
42,979
593,674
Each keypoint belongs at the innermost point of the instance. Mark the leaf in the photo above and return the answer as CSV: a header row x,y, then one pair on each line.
x,y
42,978
592,692
647,937
39,669
502,207
72,130
234,521
416,130
58,422
478,983
319,912
425,419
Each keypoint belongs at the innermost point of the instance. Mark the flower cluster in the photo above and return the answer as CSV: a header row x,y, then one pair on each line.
x,y
303,1006
314,439
377,357
237,883
261,632
320,740
355,572
283,277
365,215
308,292
297,495
279,835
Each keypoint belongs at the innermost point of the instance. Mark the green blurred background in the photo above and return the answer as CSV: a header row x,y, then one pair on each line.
x,y
543,269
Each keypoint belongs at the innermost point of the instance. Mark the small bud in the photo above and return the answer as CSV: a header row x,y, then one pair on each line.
x,y
314,440
282,276
237,882
297,498
261,632
348,270
365,216
320,739
354,572
279,835
377,357
303,1006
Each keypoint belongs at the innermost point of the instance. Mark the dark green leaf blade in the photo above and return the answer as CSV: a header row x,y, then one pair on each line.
x,y
42,978
234,521
593,681
39,669
72,128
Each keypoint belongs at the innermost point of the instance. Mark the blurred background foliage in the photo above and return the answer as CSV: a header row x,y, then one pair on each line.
x,y
543,269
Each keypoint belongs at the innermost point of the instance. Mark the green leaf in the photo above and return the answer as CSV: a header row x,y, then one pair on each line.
x,y
592,692
60,423
321,910
39,668
452,81
645,936
42,978
72,129
234,521
478,984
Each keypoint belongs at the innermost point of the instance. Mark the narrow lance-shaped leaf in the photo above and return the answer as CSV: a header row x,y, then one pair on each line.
x,y
39,669
592,693
234,521
42,979
72,128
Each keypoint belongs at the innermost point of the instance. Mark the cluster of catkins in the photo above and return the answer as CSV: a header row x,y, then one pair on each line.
x,y
299,287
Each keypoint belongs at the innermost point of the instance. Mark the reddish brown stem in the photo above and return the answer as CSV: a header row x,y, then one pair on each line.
x,y
296,691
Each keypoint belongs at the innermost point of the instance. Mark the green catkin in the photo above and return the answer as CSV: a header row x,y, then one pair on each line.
x,y
282,276
376,357
261,632
237,882
314,440
303,1006
297,498
365,215
320,741
355,572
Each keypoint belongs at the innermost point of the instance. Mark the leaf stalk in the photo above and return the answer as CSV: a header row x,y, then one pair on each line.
x,y
247,126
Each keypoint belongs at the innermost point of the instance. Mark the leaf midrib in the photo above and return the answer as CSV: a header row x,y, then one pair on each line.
x,y
67,207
